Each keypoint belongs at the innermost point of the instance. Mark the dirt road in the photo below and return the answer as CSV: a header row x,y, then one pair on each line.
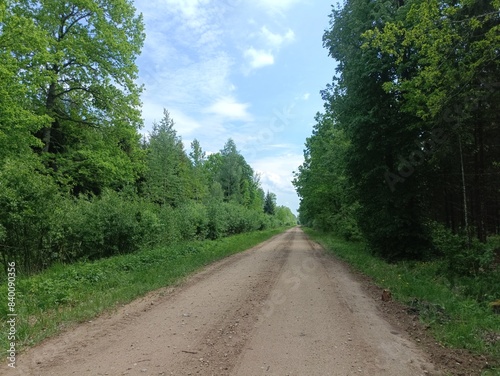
x,y
281,308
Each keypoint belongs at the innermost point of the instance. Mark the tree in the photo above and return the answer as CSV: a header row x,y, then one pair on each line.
x,y
285,216
169,171
454,90
410,125
379,133
327,198
200,180
87,88
270,203
18,36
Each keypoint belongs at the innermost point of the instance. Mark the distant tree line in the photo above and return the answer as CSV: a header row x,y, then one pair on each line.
x,y
406,153
77,179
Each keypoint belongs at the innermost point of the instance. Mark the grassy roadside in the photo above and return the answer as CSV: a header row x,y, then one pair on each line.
x,y
67,294
456,321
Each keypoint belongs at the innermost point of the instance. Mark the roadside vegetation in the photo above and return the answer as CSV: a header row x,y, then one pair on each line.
x,y
402,171
93,212
64,295
451,309
78,181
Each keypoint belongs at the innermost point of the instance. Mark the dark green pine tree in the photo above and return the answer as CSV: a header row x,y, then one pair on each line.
x,y
270,203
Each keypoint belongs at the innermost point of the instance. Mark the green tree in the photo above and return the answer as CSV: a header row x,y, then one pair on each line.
x,y
380,135
270,203
200,178
237,179
285,216
454,90
168,168
87,63
327,198
18,121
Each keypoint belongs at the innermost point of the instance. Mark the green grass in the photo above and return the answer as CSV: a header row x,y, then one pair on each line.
x,y
455,320
68,294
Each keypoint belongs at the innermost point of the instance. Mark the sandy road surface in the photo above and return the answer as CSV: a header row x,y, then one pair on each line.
x,y
281,308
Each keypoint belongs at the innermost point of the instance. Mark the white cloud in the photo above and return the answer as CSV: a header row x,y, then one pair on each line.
x,y
275,40
185,125
187,24
259,58
276,175
277,171
227,107
306,96
189,8
277,6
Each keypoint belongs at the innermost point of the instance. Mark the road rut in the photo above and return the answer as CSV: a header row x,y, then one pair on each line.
x,y
281,308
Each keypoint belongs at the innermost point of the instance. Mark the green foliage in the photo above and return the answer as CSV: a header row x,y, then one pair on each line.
x,y
78,89
28,198
235,177
468,264
169,171
103,226
285,216
200,176
409,129
76,182
270,203
192,219
321,182
463,257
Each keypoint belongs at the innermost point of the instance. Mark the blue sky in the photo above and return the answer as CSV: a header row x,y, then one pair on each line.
x,y
250,70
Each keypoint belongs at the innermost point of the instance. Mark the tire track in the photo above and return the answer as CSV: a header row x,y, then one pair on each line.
x,y
219,349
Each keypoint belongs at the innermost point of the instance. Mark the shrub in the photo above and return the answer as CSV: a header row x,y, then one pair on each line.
x,y
192,219
27,201
468,265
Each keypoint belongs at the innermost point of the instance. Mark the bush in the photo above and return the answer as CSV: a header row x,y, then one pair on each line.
x,y
28,199
463,257
468,265
95,227
41,226
217,220
192,221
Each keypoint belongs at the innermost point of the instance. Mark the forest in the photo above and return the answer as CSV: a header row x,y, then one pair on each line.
x,y
78,180
405,155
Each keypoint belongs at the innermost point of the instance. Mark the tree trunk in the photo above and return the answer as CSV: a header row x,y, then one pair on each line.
x,y
46,135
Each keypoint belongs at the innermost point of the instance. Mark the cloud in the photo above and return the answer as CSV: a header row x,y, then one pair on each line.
x,y
227,107
262,57
276,40
277,6
277,170
189,8
189,25
276,175
259,58
185,125
306,96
